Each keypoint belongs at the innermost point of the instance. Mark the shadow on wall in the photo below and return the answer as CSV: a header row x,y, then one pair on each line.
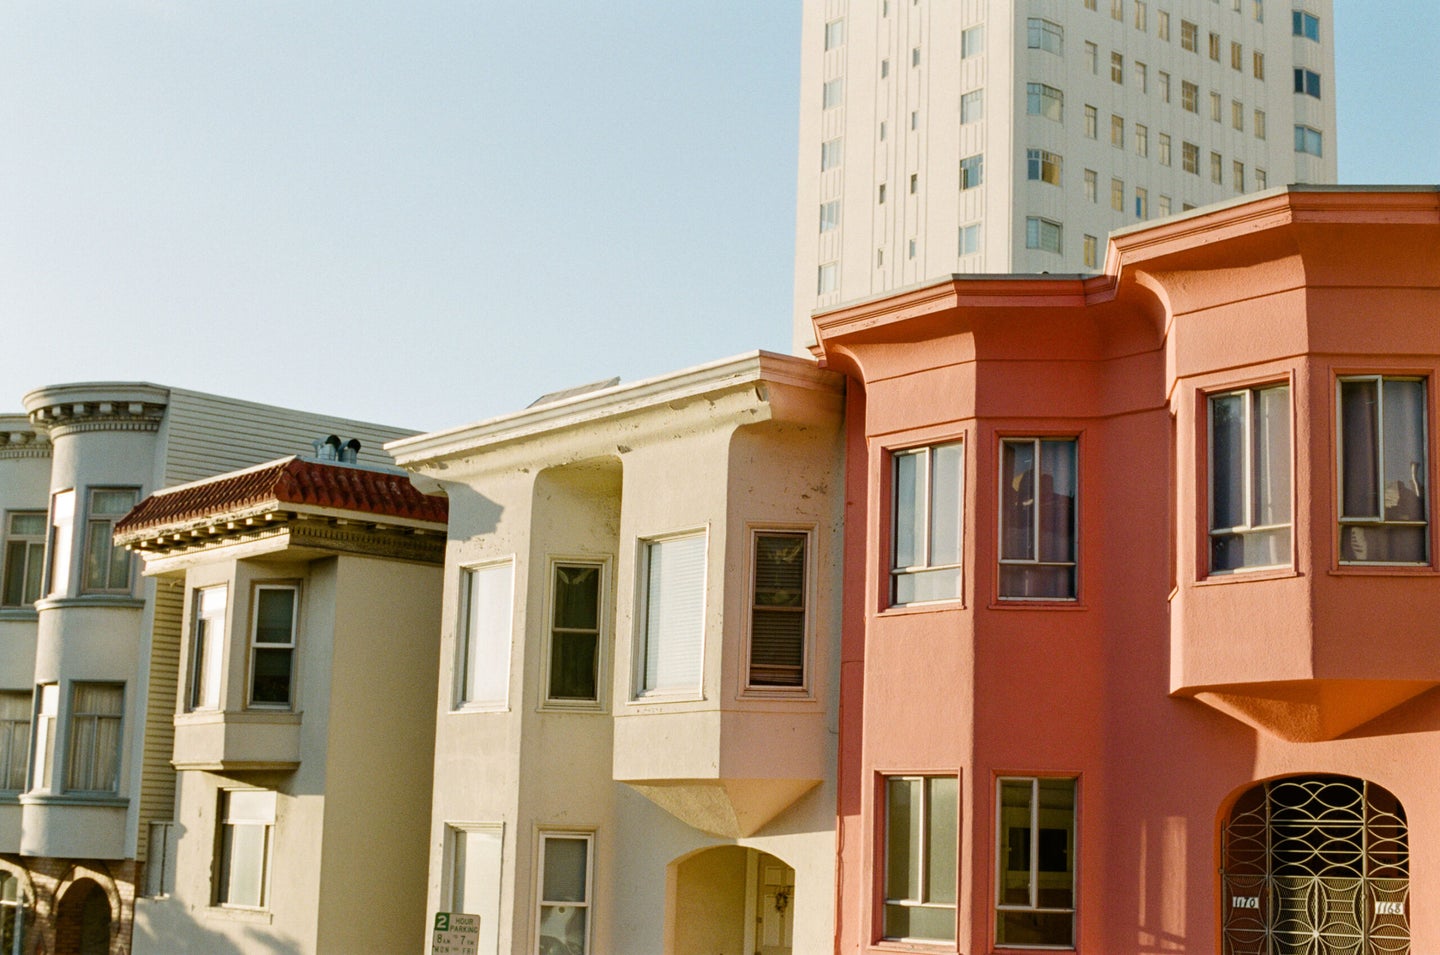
x,y
171,928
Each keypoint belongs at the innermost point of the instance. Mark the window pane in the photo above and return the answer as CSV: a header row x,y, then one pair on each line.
x,y
1227,461
1403,404
486,659
577,597
242,872
562,929
947,464
271,675
1270,456
1017,500
908,921
674,614
921,585
1036,928
574,666
565,861
1014,843
902,840
274,615
943,839
1057,500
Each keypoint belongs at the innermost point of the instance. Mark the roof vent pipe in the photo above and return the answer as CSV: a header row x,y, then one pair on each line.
x,y
350,451
328,449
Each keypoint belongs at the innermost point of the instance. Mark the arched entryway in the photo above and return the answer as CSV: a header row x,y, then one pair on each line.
x,y
82,924
1315,865
731,899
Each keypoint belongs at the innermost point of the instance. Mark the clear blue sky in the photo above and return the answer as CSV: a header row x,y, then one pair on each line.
x,y
428,214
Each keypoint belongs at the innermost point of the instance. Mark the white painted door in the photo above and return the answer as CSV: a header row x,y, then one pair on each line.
x,y
775,900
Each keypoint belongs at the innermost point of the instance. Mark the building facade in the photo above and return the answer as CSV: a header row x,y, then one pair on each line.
x,y
1139,650
635,746
304,723
993,136
91,647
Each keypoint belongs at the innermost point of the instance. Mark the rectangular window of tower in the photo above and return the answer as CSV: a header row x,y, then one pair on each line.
x,y
272,646
1164,86
832,93
1039,482
884,69
972,42
1309,141
1259,60
1162,146
1117,132
1214,47
1091,185
1162,206
1092,122
1189,96
1215,106
830,215
970,239
562,893
1117,68
482,664
1189,36
915,56
1142,77
1142,140
834,34
830,154
914,119
1043,100
243,860
1190,158
1259,7
972,107
1042,34
1117,195
1090,5
1307,82
972,171
1259,120
914,183
96,710
1260,179
42,762
1384,469
207,647
1237,175
1042,234
921,872
880,194
1142,203
1237,56
829,278
1042,166
107,567
576,611
1092,57
14,736
1141,16
1090,245
1237,115
1162,25
1305,24
1217,169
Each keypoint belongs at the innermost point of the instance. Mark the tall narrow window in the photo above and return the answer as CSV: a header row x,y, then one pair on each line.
x,y
928,521
832,93
673,604
972,42
575,634
922,823
830,215
834,34
1035,851
24,558
14,736
830,154
1117,68
483,664
207,647
1250,480
272,646
242,870
1092,185
970,239
95,713
47,709
1142,140
777,613
828,277
473,874
1090,246
562,904
107,567
62,533
1384,463
1037,518
1189,36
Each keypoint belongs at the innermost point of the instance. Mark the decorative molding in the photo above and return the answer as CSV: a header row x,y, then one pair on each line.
x,y
77,417
291,530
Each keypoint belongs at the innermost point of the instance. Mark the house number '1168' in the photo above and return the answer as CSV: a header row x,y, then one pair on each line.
x,y
1389,908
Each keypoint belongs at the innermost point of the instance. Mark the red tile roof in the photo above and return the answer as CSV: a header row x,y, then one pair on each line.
x,y
291,481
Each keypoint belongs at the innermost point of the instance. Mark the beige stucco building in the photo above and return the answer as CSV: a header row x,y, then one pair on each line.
x,y
635,737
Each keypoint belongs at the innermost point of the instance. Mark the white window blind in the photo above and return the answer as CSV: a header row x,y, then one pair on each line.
x,y
674,615
485,656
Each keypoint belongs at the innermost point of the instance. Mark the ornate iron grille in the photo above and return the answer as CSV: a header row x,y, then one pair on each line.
x,y
1316,865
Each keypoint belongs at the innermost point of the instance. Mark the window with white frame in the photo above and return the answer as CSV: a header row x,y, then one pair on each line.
x,y
207,647
1042,34
922,829
828,277
1038,490
832,93
483,661
94,751
47,710
1044,100
242,865
1250,478
670,658
972,171
834,34
1035,856
15,707
107,566
972,41
272,645
1042,234
778,624
562,897
972,106
830,215
474,853
62,532
24,558
1041,165
970,239
575,611
927,523
830,154
1304,24
1384,467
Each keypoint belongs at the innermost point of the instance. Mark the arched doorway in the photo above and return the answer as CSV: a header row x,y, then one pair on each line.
x,y
82,925
1315,865
732,899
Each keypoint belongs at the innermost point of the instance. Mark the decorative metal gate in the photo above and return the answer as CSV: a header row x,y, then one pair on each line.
x,y
1316,865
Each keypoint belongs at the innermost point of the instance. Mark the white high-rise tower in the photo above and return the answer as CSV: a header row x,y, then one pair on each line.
x,y
945,136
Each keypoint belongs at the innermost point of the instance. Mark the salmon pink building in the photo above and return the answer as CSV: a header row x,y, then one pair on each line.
x,y
1142,610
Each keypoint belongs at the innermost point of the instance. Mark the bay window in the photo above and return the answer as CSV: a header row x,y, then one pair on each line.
x,y
922,822
94,752
1250,478
1038,525
1035,855
672,631
777,612
575,599
207,647
272,646
483,649
927,523
1384,465
107,567
24,558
